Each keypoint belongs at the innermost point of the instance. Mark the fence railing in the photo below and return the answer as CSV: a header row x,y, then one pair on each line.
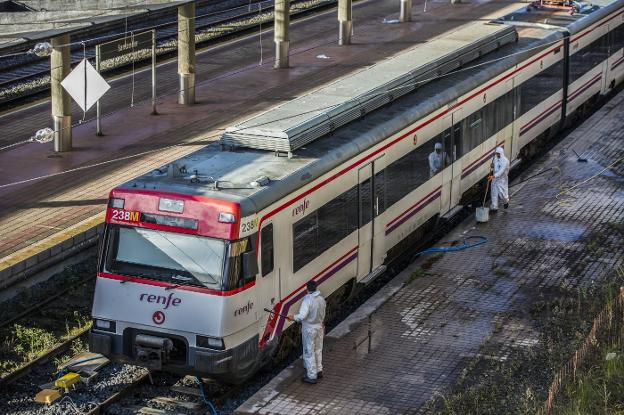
x,y
612,312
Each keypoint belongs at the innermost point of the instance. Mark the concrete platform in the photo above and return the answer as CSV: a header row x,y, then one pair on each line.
x,y
52,204
411,340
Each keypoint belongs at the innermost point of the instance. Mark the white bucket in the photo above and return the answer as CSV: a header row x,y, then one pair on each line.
x,y
482,214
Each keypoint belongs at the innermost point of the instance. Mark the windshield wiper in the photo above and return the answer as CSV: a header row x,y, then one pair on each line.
x,y
179,278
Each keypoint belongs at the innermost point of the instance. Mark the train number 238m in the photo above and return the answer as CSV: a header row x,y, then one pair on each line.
x,y
126,215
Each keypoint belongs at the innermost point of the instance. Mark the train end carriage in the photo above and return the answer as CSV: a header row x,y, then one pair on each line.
x,y
203,257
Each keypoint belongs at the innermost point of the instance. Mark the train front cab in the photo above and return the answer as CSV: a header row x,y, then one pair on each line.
x,y
176,286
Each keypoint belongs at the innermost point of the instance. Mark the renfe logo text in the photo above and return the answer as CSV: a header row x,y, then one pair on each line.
x,y
244,309
301,208
161,299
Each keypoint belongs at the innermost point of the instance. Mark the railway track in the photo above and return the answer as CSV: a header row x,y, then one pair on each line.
x,y
26,66
210,29
45,330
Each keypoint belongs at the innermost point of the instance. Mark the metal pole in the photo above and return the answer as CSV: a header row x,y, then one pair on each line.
x,y
280,33
345,22
154,112
406,10
186,53
60,99
98,107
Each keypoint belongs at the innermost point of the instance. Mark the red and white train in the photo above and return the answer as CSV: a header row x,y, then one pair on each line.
x,y
194,252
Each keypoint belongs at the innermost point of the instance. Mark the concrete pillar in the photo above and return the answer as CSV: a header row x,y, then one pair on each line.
x,y
406,11
186,53
282,26
60,60
345,22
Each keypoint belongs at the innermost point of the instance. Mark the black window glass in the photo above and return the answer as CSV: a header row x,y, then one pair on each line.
x,y
324,228
266,243
542,86
380,192
458,143
337,219
588,57
366,202
473,131
406,173
617,39
305,243
489,120
504,106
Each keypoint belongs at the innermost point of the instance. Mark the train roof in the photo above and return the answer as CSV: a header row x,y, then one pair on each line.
x,y
235,175
315,114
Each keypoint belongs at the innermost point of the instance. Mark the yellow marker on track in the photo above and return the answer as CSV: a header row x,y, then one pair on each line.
x,y
47,396
67,380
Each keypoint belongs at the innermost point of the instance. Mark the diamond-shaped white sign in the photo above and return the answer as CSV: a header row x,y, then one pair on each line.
x,y
74,84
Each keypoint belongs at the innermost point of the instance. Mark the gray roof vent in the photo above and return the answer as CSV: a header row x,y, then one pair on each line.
x,y
311,116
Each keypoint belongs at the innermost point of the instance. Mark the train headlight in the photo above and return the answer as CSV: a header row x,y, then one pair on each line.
x,y
210,343
116,203
225,217
104,325
171,205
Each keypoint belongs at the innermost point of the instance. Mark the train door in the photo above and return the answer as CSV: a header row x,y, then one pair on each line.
x,y
457,151
371,204
512,148
267,280
446,139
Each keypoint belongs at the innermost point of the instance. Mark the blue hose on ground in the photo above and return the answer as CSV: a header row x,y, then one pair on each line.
x,y
476,241
213,410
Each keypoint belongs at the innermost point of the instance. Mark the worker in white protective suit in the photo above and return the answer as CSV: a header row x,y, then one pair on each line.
x,y
500,172
311,316
438,159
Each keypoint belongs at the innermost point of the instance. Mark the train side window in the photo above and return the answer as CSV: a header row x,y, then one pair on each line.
x,y
407,173
380,193
458,143
337,219
266,243
366,208
305,241
541,86
325,227
504,110
446,137
616,39
588,57
489,117
473,131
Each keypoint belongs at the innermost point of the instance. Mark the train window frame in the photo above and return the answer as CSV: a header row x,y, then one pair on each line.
x,y
588,57
541,87
267,250
317,232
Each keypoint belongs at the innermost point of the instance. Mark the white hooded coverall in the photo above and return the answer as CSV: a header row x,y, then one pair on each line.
x,y
311,316
499,183
437,161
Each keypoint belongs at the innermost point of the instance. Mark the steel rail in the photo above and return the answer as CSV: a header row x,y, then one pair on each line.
x,y
102,406
55,351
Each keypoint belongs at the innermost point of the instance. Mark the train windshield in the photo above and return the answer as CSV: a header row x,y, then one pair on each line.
x,y
166,256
